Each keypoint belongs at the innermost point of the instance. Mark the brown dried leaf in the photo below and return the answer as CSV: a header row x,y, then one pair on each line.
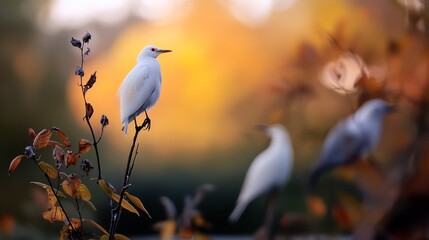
x,y
89,110
48,169
125,204
83,192
70,158
14,163
64,233
63,136
97,226
84,146
105,187
58,156
45,186
42,139
136,201
55,214
90,82
54,143
32,133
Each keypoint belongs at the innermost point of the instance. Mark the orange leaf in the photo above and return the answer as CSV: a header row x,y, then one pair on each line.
x,y
55,214
44,186
97,226
70,186
14,164
125,204
52,200
32,133
48,169
106,187
63,136
84,146
83,192
42,139
136,201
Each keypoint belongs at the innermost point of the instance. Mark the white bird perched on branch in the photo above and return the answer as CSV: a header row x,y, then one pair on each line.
x,y
352,138
141,88
268,173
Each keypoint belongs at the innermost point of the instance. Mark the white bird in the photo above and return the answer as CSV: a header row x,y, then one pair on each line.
x,y
268,173
141,88
352,138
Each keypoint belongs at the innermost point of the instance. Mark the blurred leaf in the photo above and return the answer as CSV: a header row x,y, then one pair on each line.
x,y
347,212
105,187
117,237
136,201
55,214
59,193
83,192
42,139
316,205
54,143
167,229
84,146
62,136
125,204
97,226
32,133
89,110
48,169
14,163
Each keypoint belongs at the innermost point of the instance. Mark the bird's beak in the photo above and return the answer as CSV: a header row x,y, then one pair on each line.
x,y
163,50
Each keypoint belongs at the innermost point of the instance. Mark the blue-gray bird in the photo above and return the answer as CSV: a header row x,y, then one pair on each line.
x,y
352,138
268,172
141,88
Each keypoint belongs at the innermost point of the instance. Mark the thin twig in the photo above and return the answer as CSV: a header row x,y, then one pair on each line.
x,y
116,212
95,142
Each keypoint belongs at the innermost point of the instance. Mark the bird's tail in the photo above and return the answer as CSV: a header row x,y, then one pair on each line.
x,y
236,213
125,128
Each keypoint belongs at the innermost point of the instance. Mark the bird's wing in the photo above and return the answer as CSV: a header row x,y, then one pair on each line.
x,y
343,144
259,178
134,91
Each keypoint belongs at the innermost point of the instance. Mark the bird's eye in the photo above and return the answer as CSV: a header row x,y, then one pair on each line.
x,y
152,49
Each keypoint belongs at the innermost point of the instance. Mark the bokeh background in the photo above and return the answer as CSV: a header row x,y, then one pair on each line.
x,y
234,64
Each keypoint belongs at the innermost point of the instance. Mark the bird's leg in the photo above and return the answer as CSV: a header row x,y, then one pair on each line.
x,y
138,128
146,122
264,232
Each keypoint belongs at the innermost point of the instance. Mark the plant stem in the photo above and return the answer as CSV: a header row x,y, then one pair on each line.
x,y
95,142
116,212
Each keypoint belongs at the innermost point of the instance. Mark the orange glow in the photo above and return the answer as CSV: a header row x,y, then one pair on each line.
x,y
217,64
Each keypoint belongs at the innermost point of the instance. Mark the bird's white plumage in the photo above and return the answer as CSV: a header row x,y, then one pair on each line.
x,y
270,170
352,138
141,87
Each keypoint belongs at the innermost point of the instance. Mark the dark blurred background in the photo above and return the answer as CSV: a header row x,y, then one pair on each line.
x,y
234,64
